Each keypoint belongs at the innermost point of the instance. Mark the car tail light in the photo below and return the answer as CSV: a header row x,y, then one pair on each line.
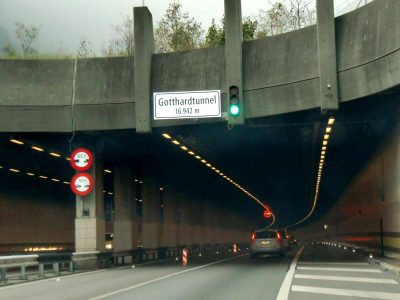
x,y
278,235
253,236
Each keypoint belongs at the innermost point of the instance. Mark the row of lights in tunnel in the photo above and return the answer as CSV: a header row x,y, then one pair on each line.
x,y
193,154
53,154
324,149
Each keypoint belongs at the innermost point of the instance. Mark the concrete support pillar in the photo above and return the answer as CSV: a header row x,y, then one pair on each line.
x,y
233,53
151,226
171,218
144,49
89,222
125,222
327,56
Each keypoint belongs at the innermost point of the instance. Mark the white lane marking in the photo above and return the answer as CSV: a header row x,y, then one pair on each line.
x,y
144,264
285,287
333,263
17,285
348,293
345,278
161,278
340,269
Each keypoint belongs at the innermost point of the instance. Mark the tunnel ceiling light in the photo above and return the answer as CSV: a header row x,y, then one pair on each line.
x,y
161,189
16,142
136,180
110,193
108,171
68,159
36,148
191,152
43,177
15,170
66,182
140,182
30,174
55,180
55,154
167,136
326,136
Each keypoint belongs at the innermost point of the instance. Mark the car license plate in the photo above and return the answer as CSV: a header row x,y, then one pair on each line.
x,y
265,242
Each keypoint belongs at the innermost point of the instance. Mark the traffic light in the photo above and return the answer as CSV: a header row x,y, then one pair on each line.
x,y
234,104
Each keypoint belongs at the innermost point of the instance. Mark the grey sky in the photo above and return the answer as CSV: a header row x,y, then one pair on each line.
x,y
65,22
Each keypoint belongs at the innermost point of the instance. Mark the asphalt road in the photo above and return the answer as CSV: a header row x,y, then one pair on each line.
x,y
323,272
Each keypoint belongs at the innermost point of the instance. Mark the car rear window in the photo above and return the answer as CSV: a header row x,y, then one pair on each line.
x,y
265,235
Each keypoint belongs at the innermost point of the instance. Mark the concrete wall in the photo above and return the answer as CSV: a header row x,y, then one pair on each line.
x,y
280,75
373,194
35,213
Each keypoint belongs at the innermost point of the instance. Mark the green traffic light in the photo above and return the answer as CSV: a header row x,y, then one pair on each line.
x,y
234,110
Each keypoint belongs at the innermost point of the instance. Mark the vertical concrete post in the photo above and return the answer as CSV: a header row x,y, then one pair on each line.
x,y
327,56
233,54
144,48
89,222
151,226
125,222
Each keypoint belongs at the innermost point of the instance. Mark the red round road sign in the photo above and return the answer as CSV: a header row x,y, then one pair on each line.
x,y
81,159
82,184
267,214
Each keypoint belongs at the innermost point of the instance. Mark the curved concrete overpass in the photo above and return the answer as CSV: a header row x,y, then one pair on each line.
x,y
280,75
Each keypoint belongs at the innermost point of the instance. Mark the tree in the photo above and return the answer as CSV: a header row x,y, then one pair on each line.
x,y
176,31
285,16
84,49
26,35
123,44
216,35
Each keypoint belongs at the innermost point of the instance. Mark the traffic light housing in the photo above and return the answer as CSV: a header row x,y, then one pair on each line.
x,y
234,103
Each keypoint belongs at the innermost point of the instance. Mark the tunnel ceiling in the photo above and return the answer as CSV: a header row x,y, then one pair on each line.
x,y
275,158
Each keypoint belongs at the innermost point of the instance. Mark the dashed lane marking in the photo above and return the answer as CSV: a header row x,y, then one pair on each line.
x,y
345,292
340,269
346,278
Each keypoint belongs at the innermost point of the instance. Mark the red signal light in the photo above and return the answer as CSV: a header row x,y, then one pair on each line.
x,y
267,214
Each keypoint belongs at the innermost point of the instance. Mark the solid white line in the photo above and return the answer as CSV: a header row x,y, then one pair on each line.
x,y
161,278
333,263
340,269
344,278
285,287
54,278
348,293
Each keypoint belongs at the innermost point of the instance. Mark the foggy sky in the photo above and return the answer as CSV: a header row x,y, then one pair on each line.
x,y
65,22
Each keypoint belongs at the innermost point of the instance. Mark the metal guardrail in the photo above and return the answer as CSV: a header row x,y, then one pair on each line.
x,y
100,259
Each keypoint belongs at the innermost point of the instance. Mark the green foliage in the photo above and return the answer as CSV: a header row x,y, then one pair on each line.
x,y
176,31
216,34
10,50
